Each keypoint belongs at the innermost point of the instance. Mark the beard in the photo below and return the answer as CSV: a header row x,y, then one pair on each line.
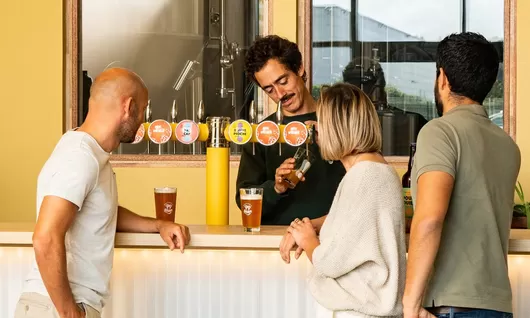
x,y
128,129
438,101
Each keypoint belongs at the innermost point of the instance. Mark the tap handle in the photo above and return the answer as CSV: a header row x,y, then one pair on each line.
x,y
252,112
200,112
174,112
148,112
279,114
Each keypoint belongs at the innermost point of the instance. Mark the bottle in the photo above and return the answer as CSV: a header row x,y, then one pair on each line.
x,y
406,182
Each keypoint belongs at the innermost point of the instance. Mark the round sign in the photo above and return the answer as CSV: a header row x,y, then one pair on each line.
x,y
295,133
159,131
139,135
267,133
240,132
187,131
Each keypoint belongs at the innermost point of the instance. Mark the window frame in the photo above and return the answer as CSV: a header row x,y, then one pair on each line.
x,y
72,82
305,23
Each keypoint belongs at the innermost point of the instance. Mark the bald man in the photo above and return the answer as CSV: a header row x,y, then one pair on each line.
x,y
77,206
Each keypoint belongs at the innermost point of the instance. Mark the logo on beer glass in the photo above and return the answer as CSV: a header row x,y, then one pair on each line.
x,y
168,207
247,208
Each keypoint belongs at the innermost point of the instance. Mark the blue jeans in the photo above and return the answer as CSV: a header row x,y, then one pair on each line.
x,y
479,313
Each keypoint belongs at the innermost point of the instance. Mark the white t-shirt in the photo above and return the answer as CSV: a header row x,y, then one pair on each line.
x,y
79,171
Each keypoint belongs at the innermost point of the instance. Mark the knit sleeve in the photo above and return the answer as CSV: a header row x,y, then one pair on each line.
x,y
368,228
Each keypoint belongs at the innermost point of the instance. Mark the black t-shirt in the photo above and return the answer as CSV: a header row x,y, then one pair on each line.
x,y
311,198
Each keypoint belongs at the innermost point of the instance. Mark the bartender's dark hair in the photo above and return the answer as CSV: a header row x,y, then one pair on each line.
x,y
471,64
272,47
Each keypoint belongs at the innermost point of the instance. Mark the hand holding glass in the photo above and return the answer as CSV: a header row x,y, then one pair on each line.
x,y
303,159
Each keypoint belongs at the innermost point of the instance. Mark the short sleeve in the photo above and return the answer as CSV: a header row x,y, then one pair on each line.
x,y
74,175
436,149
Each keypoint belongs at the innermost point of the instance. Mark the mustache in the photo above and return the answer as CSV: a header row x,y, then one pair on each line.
x,y
286,98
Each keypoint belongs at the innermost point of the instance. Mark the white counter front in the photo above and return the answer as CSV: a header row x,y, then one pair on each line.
x,y
224,273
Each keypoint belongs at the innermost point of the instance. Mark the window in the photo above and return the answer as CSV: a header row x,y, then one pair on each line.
x,y
388,48
158,39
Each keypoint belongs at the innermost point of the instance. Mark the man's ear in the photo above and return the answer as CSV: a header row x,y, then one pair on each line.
x,y
301,70
443,82
127,106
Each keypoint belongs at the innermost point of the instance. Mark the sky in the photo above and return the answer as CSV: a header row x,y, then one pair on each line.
x,y
431,19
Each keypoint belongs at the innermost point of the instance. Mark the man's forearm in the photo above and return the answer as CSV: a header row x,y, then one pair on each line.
x,y
131,222
423,247
50,254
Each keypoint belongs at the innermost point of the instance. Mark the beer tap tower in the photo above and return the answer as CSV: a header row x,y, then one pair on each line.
x,y
218,133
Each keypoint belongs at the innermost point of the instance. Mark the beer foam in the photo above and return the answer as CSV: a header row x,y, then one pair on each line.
x,y
251,197
166,190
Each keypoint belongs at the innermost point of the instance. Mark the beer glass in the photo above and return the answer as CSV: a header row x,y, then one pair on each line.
x,y
303,159
251,201
166,203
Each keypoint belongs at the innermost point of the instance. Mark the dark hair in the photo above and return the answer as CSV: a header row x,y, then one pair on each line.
x,y
471,64
272,47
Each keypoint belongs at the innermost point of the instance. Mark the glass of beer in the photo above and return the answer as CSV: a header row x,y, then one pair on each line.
x,y
303,159
165,203
251,200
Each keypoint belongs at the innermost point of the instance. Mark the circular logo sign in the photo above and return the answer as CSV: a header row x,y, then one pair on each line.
x,y
139,135
295,133
247,208
240,132
159,131
187,131
267,133
168,207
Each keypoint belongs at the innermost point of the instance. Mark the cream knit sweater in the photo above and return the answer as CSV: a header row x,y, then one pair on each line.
x,y
359,265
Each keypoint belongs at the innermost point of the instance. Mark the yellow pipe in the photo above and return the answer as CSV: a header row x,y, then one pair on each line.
x,y
146,126
203,132
281,139
226,133
217,184
173,135
254,127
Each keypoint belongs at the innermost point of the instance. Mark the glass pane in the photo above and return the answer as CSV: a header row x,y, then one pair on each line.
x,y
487,18
390,54
407,20
157,39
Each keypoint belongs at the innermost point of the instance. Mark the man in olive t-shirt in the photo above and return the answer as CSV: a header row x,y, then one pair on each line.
x,y
463,183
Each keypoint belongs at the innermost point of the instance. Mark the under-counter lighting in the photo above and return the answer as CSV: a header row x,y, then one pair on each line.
x,y
152,279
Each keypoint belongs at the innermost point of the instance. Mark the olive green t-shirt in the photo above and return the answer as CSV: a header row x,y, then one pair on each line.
x,y
470,269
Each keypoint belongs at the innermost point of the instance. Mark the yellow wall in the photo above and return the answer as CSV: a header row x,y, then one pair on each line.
x,y
284,14
31,88
523,99
31,97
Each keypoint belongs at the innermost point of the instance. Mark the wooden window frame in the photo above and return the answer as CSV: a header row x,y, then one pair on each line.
x,y
305,23
304,36
72,82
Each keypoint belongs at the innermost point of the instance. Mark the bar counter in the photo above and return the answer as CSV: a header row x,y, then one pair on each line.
x,y
224,272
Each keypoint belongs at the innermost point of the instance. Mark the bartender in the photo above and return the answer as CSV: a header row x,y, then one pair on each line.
x,y
275,65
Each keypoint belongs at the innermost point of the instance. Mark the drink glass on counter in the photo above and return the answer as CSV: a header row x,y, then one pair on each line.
x,y
251,202
166,203
303,159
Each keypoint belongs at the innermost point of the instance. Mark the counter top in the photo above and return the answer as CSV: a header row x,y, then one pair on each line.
x,y
211,237
202,236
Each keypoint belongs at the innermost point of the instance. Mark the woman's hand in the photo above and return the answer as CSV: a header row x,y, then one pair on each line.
x,y
286,245
303,233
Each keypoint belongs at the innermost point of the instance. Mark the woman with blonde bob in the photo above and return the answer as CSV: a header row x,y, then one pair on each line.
x,y
359,258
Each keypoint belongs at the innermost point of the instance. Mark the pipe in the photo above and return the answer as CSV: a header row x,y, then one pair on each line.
x,y
217,171
223,91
